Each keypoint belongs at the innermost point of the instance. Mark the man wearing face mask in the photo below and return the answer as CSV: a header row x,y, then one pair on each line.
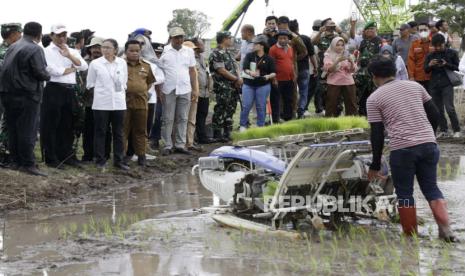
x,y
416,57
56,130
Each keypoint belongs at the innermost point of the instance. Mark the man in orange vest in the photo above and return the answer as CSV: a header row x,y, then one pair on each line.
x,y
416,57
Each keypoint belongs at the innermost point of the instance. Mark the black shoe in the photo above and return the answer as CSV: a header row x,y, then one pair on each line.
x,y
182,151
122,166
55,165
227,135
33,170
195,148
73,162
206,141
155,145
12,166
217,135
166,152
141,160
127,159
86,159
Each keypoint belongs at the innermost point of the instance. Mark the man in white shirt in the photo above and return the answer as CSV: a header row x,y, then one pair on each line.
x,y
443,28
178,64
56,131
247,35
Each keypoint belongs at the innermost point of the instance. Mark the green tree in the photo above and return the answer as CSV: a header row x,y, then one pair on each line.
x,y
194,23
453,11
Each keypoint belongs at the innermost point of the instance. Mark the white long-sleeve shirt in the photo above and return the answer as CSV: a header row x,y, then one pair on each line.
x,y
462,67
102,76
57,64
160,78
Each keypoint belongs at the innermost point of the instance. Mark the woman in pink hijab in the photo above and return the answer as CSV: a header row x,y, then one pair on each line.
x,y
339,67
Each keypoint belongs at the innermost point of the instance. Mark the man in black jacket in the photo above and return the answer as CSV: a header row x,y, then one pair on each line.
x,y
22,83
438,63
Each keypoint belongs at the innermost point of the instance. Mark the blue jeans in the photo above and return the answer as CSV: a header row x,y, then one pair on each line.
x,y
258,95
420,161
303,81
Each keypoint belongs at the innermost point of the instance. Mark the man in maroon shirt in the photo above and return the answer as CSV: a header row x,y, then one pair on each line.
x,y
409,115
283,54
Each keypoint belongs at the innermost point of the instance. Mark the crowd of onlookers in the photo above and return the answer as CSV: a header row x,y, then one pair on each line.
x,y
127,98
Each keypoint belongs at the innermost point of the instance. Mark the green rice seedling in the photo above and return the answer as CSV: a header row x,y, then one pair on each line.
x,y
361,267
352,232
308,243
72,228
310,125
396,268
63,232
93,225
106,226
380,264
85,230
448,170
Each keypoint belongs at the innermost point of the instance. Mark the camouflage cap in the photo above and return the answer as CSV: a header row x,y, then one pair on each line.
x,y
370,24
223,34
8,27
220,36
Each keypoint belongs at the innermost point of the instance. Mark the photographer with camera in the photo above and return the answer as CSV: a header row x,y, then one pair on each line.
x,y
438,63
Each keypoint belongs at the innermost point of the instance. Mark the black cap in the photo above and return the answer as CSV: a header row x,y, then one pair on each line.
x,y
284,32
283,20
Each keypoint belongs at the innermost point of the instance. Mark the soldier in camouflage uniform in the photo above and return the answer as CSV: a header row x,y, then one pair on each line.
x,y
226,83
369,47
323,40
11,33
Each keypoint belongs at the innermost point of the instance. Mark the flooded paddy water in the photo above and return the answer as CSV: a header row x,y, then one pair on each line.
x,y
153,230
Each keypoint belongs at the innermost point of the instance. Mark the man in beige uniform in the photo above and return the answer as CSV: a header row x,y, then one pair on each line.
x,y
140,78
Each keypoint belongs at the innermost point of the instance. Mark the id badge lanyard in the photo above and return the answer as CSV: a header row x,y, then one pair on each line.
x,y
115,76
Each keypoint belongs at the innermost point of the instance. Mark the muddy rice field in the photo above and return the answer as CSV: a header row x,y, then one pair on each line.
x,y
146,222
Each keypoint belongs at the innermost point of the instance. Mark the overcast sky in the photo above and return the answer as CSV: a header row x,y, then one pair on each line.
x,y
117,18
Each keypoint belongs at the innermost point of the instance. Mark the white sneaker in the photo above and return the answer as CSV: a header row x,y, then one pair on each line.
x,y
306,114
242,129
150,157
320,114
457,135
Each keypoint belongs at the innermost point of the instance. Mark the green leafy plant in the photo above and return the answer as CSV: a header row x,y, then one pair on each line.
x,y
310,125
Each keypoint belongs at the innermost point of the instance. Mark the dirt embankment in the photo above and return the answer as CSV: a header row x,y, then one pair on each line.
x,y
19,190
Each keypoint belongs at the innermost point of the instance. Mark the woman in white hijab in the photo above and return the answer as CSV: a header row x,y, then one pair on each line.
x,y
339,67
